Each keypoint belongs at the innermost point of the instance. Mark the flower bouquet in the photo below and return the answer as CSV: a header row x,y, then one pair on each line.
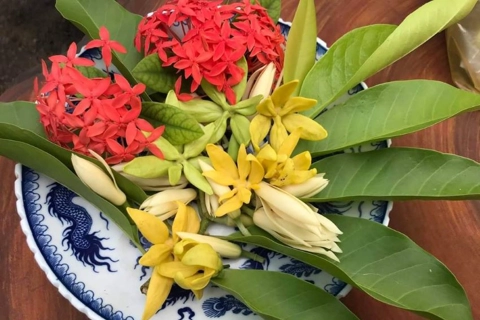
x,y
204,113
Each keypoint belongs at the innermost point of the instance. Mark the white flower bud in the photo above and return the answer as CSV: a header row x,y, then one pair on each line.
x,y
224,248
164,203
264,82
308,188
97,180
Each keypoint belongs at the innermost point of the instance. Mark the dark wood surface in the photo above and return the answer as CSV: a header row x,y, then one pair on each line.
x,y
448,230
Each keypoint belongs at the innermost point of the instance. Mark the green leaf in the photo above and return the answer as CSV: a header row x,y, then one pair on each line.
x,y
90,15
202,110
276,295
180,127
389,110
47,164
149,71
233,147
385,264
240,128
20,121
363,52
398,174
274,7
194,148
301,47
91,72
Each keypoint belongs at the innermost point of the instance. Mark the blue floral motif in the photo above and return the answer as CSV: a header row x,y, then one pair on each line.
x,y
85,246
178,294
50,252
333,207
186,313
335,287
299,269
379,210
218,307
264,253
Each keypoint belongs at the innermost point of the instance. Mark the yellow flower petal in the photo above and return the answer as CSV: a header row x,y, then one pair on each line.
x,y
186,220
242,163
278,134
300,176
227,195
229,206
151,227
186,283
244,195
256,171
259,128
285,175
267,108
202,255
267,153
290,142
182,247
303,161
221,161
312,130
169,269
155,255
157,293
297,104
283,93
219,177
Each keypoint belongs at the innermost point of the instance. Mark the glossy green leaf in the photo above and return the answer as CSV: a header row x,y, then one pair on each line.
x,y
20,121
301,44
91,72
149,71
180,127
274,7
90,15
280,296
387,111
363,52
385,264
398,174
47,164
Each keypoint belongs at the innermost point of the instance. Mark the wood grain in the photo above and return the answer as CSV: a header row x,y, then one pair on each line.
x,y
448,230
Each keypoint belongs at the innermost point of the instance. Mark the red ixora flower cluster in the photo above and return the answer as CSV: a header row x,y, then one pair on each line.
x,y
96,114
206,39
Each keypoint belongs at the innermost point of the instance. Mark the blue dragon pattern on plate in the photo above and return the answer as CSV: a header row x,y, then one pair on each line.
x,y
96,268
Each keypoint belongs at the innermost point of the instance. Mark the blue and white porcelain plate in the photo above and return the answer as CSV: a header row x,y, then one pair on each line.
x,y
95,267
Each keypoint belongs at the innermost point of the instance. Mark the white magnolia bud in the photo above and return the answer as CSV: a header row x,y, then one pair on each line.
x,y
308,188
224,248
164,203
97,180
264,83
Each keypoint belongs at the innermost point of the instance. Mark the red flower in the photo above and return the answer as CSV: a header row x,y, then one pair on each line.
x,y
107,46
199,40
71,59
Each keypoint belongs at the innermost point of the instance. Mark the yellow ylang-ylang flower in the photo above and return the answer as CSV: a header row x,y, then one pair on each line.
x,y
295,223
194,265
241,178
282,109
224,248
161,251
280,169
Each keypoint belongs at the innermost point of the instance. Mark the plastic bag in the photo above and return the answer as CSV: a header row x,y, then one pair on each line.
x,y
463,45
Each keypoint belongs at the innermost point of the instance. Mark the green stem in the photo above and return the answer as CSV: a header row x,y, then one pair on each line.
x,y
248,211
242,228
252,256
204,223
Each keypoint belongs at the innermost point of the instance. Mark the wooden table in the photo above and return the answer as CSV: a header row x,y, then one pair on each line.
x,y
448,230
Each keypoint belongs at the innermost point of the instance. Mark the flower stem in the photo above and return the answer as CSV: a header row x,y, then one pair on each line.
x,y
241,227
252,256
204,223
248,211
